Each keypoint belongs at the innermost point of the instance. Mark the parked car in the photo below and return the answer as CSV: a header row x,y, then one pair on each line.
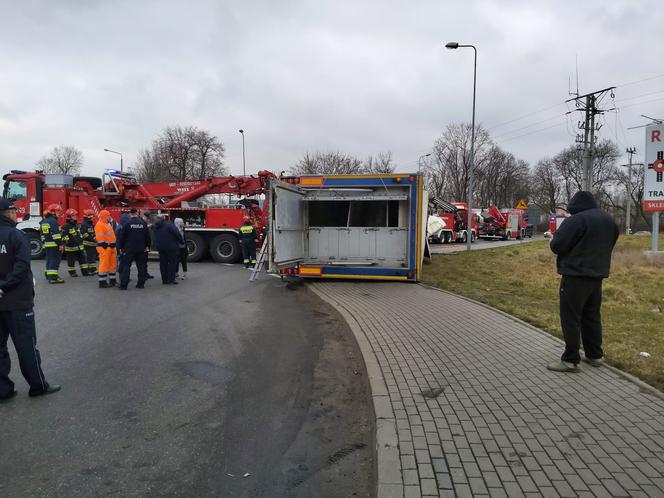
x,y
547,234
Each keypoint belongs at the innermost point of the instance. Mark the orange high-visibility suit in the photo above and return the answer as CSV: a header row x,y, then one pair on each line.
x,y
105,236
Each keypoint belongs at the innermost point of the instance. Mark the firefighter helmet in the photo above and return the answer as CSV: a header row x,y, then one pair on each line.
x,y
88,213
246,218
53,209
103,215
71,213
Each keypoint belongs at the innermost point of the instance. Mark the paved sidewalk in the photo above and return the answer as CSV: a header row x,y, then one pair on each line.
x,y
465,407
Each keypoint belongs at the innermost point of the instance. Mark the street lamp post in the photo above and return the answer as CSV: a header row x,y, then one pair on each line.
x,y
419,161
119,154
469,228
244,166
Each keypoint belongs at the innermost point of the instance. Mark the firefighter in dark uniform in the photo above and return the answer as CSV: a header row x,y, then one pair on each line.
x,y
52,241
73,243
17,317
134,245
248,238
89,240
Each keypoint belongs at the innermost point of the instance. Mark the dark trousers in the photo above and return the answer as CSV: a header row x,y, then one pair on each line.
x,y
168,262
248,251
72,258
580,303
91,255
53,258
141,259
183,254
20,325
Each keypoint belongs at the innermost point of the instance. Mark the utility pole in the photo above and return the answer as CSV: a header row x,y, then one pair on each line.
x,y
588,104
628,222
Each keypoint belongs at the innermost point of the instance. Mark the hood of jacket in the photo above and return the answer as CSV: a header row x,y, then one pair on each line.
x,y
6,222
124,218
581,201
178,222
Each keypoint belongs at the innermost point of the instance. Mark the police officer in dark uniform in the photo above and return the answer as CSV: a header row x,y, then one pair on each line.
x,y
17,317
248,238
134,245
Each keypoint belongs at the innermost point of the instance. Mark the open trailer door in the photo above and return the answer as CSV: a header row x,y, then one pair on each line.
x,y
287,225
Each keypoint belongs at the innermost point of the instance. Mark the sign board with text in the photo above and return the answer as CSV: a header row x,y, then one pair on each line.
x,y
653,184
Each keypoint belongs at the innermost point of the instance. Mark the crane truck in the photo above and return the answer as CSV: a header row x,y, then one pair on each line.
x,y
212,230
454,217
504,224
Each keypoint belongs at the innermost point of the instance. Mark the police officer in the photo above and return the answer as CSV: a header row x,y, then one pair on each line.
x,y
73,244
134,245
248,238
52,241
17,317
87,230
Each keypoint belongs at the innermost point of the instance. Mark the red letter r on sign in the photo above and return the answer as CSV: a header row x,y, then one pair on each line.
x,y
655,136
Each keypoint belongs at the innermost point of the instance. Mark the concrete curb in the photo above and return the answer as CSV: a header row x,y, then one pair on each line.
x,y
641,385
388,476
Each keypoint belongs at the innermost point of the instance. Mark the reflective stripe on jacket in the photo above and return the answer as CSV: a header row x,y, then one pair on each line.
x,y
50,231
104,232
71,236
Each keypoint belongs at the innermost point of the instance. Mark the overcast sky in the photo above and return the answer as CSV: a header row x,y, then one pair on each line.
x,y
355,76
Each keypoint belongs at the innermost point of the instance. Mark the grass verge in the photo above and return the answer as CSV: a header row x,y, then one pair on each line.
x,y
522,281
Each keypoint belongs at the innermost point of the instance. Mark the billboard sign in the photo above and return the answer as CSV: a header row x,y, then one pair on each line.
x,y
653,185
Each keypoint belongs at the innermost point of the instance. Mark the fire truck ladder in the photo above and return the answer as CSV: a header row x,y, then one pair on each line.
x,y
260,263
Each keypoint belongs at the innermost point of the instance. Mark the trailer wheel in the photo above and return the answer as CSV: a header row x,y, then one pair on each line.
x,y
447,237
464,237
225,248
36,246
196,247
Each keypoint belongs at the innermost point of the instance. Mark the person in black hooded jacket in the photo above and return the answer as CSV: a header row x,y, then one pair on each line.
x,y
584,243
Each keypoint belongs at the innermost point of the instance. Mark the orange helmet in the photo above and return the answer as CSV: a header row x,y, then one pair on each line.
x,y
71,213
53,209
103,214
88,213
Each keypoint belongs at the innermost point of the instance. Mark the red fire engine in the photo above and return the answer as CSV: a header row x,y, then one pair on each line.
x,y
504,224
455,219
213,229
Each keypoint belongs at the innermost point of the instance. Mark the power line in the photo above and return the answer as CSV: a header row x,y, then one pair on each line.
x,y
639,103
640,81
528,126
524,116
532,132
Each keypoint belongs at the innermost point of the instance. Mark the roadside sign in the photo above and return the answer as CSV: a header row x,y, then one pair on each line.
x,y
522,205
653,185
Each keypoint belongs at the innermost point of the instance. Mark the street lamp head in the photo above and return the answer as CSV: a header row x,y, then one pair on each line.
x,y
106,150
242,131
452,45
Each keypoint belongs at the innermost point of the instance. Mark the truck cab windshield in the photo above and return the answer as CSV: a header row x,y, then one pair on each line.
x,y
14,190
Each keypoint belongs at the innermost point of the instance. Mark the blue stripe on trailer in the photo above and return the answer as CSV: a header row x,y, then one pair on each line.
x,y
412,240
343,270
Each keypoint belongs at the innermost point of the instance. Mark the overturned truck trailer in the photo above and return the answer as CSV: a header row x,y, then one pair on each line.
x,y
348,226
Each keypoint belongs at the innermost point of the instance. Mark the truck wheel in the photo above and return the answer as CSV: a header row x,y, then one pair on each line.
x,y
196,247
225,248
446,237
464,237
36,247
508,235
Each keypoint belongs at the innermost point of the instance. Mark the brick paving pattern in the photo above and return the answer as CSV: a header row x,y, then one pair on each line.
x,y
475,412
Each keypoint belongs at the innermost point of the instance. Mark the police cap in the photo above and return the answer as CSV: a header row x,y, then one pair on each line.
x,y
5,205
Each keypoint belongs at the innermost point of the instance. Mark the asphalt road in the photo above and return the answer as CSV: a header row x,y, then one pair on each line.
x,y
479,244
183,390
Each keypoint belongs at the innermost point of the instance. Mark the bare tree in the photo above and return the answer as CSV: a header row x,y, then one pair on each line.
x,y
569,164
327,163
182,153
382,163
62,160
547,187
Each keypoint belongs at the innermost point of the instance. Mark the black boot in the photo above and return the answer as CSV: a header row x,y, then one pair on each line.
x,y
103,284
